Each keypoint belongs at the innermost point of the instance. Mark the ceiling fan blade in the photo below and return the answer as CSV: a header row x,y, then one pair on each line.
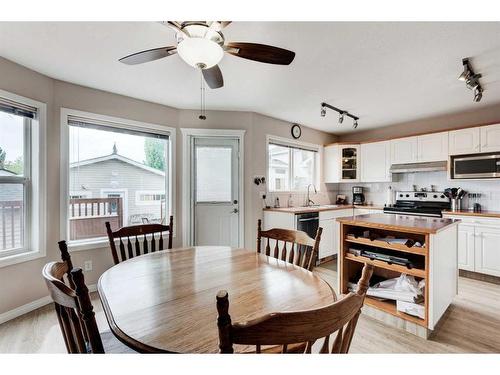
x,y
148,55
213,77
261,53
175,26
219,25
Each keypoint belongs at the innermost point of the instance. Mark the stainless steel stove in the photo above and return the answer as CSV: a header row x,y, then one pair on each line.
x,y
419,203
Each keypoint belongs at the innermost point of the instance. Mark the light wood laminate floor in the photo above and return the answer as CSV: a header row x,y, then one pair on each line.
x,y
471,325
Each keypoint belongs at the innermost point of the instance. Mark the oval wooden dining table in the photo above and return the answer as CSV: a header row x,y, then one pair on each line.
x,y
165,301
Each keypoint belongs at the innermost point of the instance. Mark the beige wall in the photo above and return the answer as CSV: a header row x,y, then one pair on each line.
x,y
483,116
22,283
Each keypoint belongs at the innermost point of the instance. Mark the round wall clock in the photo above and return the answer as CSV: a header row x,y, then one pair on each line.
x,y
296,131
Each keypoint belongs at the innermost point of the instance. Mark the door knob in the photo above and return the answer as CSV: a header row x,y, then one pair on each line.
x,y
235,211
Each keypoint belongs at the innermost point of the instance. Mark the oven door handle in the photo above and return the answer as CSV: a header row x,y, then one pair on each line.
x,y
309,219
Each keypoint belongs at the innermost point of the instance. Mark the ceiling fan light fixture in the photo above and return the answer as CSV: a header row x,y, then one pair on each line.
x,y
200,52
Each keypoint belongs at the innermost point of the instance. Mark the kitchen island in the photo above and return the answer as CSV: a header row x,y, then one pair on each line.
x,y
423,248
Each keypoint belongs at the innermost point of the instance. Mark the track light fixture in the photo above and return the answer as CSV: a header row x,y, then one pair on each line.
x,y
341,113
471,80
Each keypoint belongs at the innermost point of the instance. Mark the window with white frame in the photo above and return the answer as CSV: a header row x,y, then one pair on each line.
x,y
291,166
112,168
20,196
146,197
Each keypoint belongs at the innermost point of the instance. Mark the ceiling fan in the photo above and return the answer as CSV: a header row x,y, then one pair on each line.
x,y
201,44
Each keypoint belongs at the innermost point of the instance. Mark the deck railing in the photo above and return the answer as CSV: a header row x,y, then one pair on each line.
x,y
11,224
87,216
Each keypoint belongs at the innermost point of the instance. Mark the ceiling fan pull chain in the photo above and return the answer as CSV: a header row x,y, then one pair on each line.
x,y
202,115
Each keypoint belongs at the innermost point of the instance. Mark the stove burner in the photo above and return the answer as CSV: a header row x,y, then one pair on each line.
x,y
419,204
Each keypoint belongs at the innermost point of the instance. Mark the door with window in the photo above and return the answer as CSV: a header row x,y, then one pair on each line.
x,y
215,191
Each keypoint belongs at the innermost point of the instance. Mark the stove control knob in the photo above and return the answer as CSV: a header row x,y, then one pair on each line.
x,y
407,195
435,196
442,196
401,195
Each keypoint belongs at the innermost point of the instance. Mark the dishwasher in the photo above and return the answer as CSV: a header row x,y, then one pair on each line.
x,y
308,223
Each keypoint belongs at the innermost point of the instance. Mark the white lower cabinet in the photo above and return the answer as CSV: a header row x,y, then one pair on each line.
x,y
330,239
478,244
487,250
466,246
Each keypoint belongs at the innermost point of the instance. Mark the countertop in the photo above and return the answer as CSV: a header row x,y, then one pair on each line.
x,y
403,223
325,207
484,213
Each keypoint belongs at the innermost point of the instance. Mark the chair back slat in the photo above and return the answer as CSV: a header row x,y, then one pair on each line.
x,y
153,243
160,242
74,309
287,328
145,239
137,247
303,250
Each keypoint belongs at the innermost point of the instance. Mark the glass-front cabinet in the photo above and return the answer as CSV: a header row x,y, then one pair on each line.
x,y
341,163
349,167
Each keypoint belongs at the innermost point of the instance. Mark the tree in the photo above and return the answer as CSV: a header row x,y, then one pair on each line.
x,y
2,157
15,166
154,149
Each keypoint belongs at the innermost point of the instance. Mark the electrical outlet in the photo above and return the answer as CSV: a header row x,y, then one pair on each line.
x,y
87,265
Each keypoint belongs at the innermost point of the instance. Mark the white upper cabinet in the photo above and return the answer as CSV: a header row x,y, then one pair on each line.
x,y
341,163
424,148
404,150
375,160
490,138
432,147
464,141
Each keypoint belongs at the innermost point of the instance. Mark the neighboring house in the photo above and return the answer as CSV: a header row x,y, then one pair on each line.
x,y
11,218
142,188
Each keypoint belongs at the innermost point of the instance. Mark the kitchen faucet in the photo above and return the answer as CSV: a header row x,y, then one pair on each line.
x,y
308,199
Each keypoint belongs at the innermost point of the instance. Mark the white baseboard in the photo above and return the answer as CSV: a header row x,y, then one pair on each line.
x,y
29,307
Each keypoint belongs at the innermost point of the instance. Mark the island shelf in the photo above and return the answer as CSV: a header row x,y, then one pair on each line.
x,y
434,260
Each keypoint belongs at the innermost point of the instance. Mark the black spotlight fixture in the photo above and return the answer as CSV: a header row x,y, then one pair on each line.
x,y
471,80
341,117
341,113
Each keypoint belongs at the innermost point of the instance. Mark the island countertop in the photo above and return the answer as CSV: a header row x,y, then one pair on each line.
x,y
402,223
321,208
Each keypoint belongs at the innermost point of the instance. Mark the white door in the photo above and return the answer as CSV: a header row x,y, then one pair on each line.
x,y
375,160
464,141
215,191
487,250
466,247
432,147
404,150
490,138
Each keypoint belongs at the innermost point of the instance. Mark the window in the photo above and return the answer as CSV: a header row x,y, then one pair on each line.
x,y
149,197
291,167
112,166
20,177
213,174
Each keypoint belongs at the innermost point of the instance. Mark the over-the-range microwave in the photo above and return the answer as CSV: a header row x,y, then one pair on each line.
x,y
475,166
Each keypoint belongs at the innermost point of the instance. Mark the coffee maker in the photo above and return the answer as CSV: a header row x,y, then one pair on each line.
x,y
357,195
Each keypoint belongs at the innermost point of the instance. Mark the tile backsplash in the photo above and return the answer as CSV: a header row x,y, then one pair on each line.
x,y
377,193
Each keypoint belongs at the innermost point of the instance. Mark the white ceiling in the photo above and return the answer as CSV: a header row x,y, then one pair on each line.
x,y
382,72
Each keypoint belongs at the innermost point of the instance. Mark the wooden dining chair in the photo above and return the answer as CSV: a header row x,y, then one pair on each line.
x,y
74,309
131,235
286,329
297,247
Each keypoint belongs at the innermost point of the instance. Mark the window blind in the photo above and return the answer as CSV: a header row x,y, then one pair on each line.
x,y
290,145
12,107
112,126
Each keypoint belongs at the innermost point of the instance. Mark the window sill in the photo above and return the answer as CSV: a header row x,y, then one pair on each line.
x,y
20,258
83,245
